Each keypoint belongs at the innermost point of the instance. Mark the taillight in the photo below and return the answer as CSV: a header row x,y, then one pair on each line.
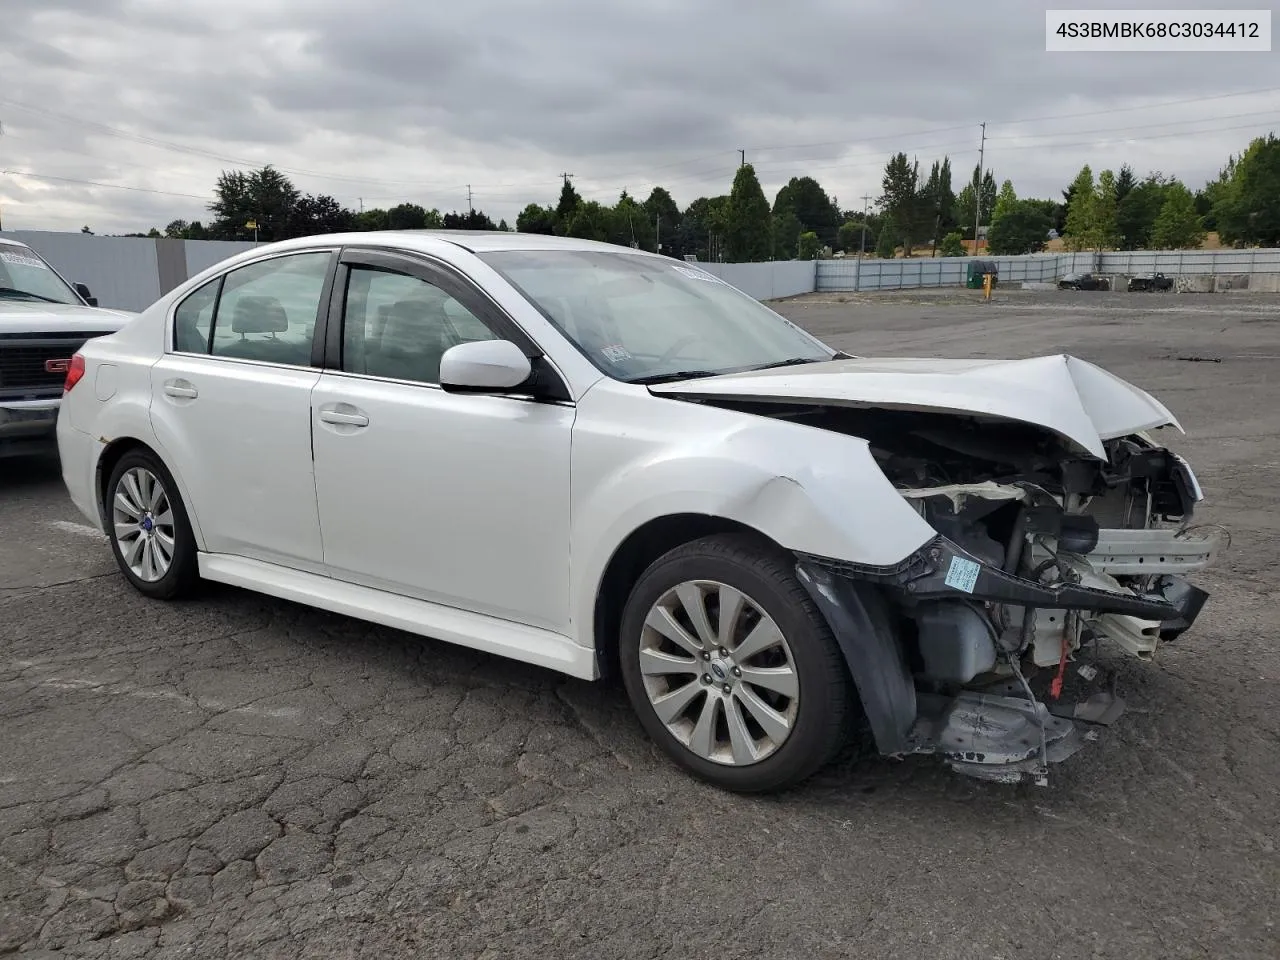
x,y
75,370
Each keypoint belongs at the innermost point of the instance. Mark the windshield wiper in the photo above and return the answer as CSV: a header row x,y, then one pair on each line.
x,y
793,362
674,375
27,293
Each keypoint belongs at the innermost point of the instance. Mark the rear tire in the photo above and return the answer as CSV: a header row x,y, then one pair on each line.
x,y
148,527
730,667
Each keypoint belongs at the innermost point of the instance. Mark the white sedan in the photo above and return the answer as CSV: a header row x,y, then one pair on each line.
x,y
598,460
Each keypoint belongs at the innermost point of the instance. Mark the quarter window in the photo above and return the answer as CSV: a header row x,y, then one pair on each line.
x,y
267,311
399,326
193,320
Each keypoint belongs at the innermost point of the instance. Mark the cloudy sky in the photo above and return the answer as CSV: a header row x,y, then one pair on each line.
x,y
383,101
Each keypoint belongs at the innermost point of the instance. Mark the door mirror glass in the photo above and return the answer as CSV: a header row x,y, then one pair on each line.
x,y
484,366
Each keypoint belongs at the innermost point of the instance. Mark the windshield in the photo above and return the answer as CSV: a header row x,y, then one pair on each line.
x,y
644,319
24,276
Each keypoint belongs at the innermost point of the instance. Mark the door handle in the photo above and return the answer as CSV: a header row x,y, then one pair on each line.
x,y
349,417
180,388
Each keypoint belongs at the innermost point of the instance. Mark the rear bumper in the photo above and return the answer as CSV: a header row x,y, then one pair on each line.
x,y
79,452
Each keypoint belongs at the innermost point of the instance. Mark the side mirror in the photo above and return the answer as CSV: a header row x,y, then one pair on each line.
x,y
85,295
484,366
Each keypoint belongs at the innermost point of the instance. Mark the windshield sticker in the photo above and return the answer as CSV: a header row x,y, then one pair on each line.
x,y
697,274
22,259
615,353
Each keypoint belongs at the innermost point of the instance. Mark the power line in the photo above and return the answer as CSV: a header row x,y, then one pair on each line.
x,y
94,183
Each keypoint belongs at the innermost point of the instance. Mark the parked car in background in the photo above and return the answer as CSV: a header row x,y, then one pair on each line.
x,y
1084,281
44,320
1156,281
601,461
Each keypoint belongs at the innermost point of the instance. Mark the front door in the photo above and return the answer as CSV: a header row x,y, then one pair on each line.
x,y
452,498
231,407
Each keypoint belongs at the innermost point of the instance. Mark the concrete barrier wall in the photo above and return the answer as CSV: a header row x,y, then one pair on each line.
x,y
767,281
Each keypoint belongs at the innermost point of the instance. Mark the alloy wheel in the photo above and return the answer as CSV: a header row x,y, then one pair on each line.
x,y
719,673
144,524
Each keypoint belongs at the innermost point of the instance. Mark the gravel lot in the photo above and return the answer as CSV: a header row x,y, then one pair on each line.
x,y
237,776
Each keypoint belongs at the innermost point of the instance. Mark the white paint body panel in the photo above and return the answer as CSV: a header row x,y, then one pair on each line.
x,y
452,498
489,521
243,446
1071,397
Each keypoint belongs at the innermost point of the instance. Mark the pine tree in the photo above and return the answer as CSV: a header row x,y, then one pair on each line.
x,y
1081,226
747,230
1106,230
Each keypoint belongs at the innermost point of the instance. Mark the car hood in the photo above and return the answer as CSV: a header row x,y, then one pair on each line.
x,y
1071,397
23,316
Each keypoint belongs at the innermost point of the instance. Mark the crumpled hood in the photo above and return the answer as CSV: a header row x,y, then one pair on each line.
x,y
24,316
1075,399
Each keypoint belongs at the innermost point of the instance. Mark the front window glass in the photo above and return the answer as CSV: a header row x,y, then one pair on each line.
x,y
25,276
646,319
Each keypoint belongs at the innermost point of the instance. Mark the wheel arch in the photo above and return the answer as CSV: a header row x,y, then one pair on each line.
x,y
112,453
633,556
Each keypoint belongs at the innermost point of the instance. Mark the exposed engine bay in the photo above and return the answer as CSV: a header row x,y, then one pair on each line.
x,y
1046,556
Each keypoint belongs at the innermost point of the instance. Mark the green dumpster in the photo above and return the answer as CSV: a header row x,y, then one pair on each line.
x,y
973,279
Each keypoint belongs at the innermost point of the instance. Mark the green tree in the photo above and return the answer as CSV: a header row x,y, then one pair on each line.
x,y
1106,232
313,215
1125,182
702,228
410,216
1136,213
810,245
747,227
1019,226
852,233
265,197
661,210
1178,227
813,208
786,229
900,200
952,245
629,224
1005,199
887,242
536,219
1081,226
588,221
1246,205
566,208
471,220
966,202
937,201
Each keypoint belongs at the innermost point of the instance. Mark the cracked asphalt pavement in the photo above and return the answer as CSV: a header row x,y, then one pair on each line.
x,y
240,776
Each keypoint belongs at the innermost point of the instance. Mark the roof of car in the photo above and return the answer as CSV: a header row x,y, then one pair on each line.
x,y
475,241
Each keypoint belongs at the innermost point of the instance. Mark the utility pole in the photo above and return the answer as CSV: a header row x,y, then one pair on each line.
x,y
565,177
657,233
977,189
862,246
743,155
361,199
470,211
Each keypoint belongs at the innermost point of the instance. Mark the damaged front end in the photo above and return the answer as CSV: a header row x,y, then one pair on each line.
x,y
1044,557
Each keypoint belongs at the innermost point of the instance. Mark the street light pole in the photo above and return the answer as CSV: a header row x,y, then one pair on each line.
x,y
862,246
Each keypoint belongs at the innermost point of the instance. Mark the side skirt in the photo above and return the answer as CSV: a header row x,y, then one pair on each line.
x,y
515,641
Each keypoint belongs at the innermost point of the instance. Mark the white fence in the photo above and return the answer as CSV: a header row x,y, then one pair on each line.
x,y
849,274
768,281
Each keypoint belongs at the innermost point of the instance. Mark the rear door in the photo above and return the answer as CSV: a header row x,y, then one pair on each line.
x,y
231,406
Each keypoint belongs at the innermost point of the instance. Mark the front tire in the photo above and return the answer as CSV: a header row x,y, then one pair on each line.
x,y
731,668
147,523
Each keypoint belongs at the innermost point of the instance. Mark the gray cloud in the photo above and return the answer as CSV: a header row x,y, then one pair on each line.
x,y
399,99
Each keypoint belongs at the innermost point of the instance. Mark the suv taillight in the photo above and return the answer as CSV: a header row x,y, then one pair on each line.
x,y
75,370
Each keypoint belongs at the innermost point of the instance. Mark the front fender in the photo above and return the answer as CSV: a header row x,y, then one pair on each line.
x,y
809,490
